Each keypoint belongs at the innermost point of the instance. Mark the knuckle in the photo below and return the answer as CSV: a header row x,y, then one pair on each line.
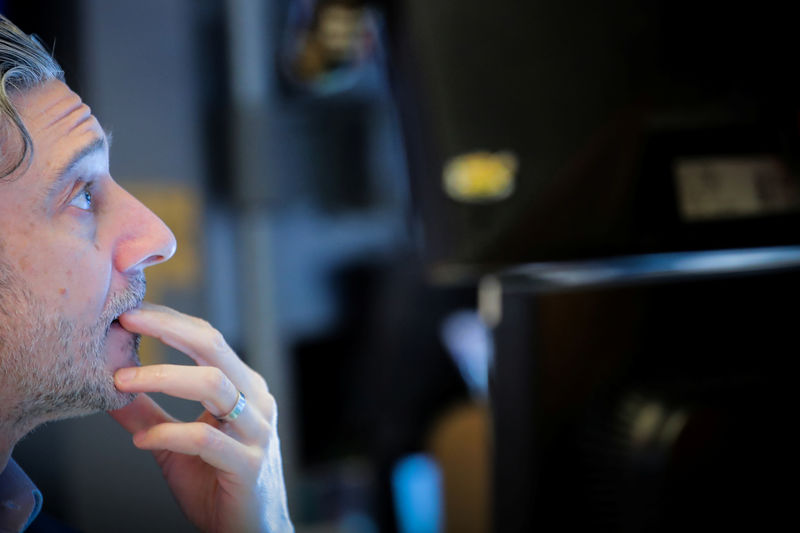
x,y
260,381
206,438
216,382
216,339
271,409
201,322
255,460
262,430
269,402
200,437
159,374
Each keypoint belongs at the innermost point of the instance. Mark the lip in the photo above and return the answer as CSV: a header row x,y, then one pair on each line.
x,y
114,326
115,320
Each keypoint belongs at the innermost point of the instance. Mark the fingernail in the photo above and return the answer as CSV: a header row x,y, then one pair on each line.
x,y
124,375
139,437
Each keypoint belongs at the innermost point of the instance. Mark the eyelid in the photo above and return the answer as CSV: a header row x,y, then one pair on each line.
x,y
81,187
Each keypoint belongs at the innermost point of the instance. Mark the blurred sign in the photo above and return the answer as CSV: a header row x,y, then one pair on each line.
x,y
713,188
480,176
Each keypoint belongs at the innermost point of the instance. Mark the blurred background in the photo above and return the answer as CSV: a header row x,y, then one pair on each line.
x,y
504,265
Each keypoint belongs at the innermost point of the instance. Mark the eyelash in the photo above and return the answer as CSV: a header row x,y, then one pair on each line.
x,y
86,193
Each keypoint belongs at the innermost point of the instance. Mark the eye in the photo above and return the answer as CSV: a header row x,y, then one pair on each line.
x,y
83,200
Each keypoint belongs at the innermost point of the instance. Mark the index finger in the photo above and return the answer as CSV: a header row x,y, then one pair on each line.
x,y
193,336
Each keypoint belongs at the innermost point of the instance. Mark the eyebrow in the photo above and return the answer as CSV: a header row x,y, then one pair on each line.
x,y
63,172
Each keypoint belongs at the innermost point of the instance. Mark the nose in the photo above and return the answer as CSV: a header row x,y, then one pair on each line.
x,y
142,239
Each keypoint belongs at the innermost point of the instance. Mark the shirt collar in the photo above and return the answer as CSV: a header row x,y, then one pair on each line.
x,y
20,500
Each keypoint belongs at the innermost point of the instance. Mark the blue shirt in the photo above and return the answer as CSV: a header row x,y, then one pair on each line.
x,y
20,500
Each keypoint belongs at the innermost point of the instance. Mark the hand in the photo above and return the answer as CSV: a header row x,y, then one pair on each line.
x,y
226,476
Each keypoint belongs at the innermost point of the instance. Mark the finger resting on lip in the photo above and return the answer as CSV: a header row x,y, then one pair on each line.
x,y
206,384
196,438
192,336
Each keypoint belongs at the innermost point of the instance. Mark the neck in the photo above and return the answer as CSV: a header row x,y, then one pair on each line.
x,y
9,439
13,427
9,436
5,455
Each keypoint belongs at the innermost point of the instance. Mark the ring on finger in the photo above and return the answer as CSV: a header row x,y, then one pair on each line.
x,y
241,402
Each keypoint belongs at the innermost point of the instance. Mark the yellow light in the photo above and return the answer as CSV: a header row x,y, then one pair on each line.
x,y
480,176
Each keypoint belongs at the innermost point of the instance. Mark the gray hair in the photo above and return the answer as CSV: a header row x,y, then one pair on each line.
x,y
24,64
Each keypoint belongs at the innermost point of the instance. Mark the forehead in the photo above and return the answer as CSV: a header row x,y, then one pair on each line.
x,y
56,118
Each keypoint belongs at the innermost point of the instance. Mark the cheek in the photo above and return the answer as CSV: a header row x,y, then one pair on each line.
x,y
82,283
74,281
61,263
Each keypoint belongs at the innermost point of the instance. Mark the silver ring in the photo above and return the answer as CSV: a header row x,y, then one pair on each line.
x,y
236,411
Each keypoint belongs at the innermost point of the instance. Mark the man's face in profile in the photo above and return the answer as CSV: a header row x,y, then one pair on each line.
x,y
73,245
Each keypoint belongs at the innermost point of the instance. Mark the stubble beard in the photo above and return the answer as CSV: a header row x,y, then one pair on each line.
x,y
50,367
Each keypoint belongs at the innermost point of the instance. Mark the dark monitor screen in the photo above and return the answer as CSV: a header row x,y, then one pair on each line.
x,y
650,408
562,130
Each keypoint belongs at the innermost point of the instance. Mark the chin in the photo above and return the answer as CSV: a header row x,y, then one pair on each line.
x,y
120,400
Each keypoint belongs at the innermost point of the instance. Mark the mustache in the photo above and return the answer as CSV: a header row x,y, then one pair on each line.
x,y
129,298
